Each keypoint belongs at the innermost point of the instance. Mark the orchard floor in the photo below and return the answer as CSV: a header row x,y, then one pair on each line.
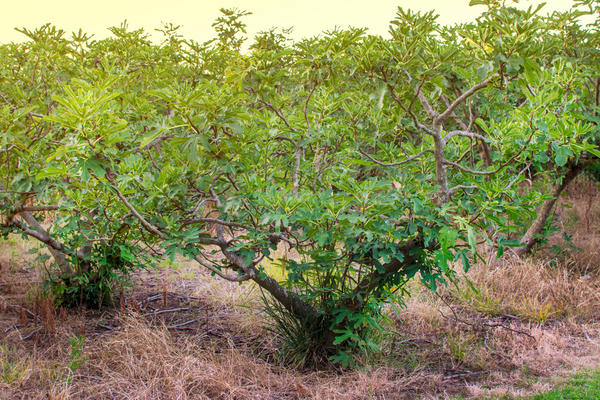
x,y
523,328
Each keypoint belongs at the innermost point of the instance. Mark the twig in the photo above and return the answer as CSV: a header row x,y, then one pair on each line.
x,y
464,374
415,339
168,310
216,221
30,334
169,294
393,164
21,308
237,278
191,321
11,327
587,336
501,167
487,325
147,225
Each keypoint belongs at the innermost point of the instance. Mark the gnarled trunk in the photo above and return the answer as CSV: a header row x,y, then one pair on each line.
x,y
59,257
535,229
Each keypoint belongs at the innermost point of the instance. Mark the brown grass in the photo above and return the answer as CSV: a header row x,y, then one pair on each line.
x,y
533,290
578,215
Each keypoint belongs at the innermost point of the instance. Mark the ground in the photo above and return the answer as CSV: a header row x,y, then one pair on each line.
x,y
518,328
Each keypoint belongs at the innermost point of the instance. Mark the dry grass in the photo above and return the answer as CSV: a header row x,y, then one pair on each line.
x,y
226,353
533,290
180,334
578,215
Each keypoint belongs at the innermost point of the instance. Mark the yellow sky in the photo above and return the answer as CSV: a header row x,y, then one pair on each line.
x,y
308,17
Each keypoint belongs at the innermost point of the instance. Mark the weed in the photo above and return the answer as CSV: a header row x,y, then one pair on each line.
x,y
12,368
533,310
95,281
304,345
76,357
53,371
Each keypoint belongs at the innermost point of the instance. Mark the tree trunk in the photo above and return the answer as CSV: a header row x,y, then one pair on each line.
x,y
290,300
535,229
440,168
59,257
373,280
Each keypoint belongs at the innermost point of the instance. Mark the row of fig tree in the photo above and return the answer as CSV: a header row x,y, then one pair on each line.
x,y
369,159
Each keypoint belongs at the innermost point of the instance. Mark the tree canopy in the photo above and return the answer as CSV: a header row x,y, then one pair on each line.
x,y
373,159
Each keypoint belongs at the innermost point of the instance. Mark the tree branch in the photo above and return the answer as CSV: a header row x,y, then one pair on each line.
x,y
42,236
428,109
464,187
500,168
468,134
216,271
394,164
147,225
216,221
448,112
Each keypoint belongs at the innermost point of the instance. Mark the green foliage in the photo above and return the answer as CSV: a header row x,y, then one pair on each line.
x,y
94,280
376,159
561,250
76,356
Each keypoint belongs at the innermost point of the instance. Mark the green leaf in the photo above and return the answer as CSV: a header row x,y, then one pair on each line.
x,y
345,336
484,70
541,158
594,152
562,154
150,138
448,237
472,240
51,172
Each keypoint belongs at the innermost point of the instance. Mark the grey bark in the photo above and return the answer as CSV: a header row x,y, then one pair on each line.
x,y
440,166
40,233
529,239
57,250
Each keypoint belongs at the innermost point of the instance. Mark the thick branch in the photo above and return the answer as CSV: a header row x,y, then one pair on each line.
x,y
290,300
231,278
373,280
468,134
56,249
536,228
42,235
428,109
147,225
460,99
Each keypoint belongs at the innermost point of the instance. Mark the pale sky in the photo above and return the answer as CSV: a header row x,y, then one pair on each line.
x,y
308,17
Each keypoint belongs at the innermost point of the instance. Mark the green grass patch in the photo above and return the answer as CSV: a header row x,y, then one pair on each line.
x,y
584,386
